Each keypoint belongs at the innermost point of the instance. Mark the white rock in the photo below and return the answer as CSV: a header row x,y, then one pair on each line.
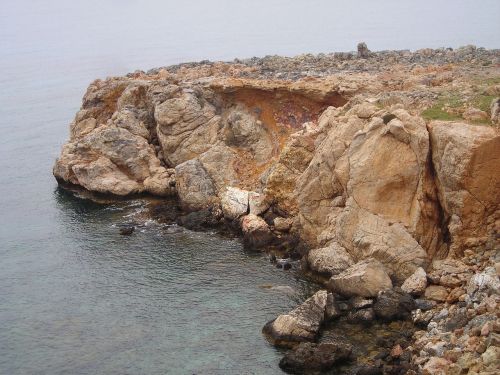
x,y
234,203
416,283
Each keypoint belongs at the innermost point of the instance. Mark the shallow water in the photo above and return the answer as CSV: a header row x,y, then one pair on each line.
x,y
75,297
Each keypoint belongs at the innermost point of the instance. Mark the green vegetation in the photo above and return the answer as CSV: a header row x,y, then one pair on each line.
x,y
437,112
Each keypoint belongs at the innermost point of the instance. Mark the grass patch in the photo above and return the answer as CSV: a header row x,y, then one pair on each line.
x,y
436,113
483,102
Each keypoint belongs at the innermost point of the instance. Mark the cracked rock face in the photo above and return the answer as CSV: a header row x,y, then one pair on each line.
x,y
466,159
317,158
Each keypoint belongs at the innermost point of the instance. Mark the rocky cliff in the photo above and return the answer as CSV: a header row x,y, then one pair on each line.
x,y
347,153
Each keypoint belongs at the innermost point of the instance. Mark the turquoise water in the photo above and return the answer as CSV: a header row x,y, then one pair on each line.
x,y
77,298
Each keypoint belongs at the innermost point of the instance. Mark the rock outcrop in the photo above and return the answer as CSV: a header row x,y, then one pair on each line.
x,y
334,151
299,325
466,160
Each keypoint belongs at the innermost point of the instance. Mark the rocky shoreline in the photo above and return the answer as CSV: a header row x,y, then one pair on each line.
x,y
379,170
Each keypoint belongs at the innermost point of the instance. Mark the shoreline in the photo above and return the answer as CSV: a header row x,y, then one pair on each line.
x,y
378,170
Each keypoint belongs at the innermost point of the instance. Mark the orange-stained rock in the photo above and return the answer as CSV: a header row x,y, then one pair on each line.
x,y
466,159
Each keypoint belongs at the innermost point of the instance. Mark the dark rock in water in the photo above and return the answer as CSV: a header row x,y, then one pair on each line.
x,y
279,265
198,220
127,230
318,357
393,304
287,266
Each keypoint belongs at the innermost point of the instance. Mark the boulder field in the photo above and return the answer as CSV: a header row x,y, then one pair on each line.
x,y
340,157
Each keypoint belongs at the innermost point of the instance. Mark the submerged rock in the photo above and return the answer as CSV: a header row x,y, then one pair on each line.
x,y
393,304
127,230
310,357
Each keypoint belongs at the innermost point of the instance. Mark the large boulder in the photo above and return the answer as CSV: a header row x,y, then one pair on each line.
x,y
195,188
110,159
330,260
187,126
366,278
299,325
370,171
234,203
364,234
416,283
256,232
466,159
315,357
393,304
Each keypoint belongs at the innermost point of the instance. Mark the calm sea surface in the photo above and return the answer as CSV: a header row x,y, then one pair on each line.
x,y
75,297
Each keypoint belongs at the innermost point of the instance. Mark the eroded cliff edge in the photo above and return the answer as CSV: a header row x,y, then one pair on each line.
x,y
345,152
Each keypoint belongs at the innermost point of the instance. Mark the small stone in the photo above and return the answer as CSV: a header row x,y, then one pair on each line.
x,y
436,366
491,356
485,330
282,225
396,351
127,230
436,293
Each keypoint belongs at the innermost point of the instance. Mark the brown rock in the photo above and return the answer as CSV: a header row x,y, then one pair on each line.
x,y
465,158
330,260
436,293
364,279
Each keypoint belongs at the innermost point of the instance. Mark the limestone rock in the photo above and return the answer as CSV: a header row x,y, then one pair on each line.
x,y
474,114
234,203
256,233
466,159
495,111
416,283
112,160
187,126
314,357
436,366
257,203
195,188
483,284
364,235
398,189
330,260
365,278
246,132
282,224
363,50
299,325
293,160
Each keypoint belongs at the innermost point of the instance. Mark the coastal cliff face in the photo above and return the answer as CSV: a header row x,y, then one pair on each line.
x,y
350,160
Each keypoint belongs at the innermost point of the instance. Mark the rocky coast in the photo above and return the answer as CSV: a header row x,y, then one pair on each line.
x,y
378,173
